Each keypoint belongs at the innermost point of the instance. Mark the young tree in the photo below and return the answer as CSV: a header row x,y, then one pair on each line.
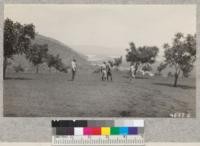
x,y
58,62
170,74
141,55
17,40
181,54
147,67
51,61
117,62
59,65
161,67
111,63
37,55
18,68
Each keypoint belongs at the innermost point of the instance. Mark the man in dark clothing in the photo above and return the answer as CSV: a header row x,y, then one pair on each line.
x,y
108,70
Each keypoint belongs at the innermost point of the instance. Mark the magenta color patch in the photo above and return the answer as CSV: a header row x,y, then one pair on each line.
x,y
87,131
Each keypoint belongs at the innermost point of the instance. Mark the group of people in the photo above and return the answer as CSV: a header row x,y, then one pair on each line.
x,y
106,72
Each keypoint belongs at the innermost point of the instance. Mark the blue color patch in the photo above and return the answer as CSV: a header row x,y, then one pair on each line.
x,y
132,130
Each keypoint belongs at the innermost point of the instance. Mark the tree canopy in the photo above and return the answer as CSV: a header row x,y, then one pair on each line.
x,y
117,61
17,39
37,54
141,55
181,55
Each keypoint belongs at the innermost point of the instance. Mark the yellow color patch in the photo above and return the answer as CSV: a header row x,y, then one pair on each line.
x,y
105,131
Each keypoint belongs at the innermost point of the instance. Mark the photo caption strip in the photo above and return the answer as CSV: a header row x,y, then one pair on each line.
x,y
98,132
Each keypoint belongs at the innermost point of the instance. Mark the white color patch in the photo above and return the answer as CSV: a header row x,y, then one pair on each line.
x,y
78,131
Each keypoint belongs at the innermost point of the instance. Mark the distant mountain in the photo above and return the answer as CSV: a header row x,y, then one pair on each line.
x,y
54,47
99,50
98,59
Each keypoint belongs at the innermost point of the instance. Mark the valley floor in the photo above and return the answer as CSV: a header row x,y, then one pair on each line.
x,y
44,95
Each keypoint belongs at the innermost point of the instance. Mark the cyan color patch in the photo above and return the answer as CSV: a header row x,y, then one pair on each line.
x,y
123,130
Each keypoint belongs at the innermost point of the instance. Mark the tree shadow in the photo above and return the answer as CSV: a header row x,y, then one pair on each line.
x,y
137,77
17,78
178,86
125,114
21,115
70,80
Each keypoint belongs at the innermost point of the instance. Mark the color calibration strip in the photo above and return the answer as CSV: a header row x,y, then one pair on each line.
x,y
97,123
107,131
98,132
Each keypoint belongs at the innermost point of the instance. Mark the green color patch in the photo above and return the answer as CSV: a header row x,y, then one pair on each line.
x,y
114,130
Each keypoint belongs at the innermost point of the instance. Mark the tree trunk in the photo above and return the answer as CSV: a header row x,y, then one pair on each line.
x,y
4,67
37,68
117,69
175,79
136,68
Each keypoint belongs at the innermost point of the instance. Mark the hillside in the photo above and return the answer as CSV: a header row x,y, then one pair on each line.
x,y
55,47
65,52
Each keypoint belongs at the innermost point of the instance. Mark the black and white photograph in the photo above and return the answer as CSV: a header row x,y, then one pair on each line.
x,y
90,60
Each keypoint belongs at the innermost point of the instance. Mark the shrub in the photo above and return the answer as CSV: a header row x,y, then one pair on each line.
x,y
18,68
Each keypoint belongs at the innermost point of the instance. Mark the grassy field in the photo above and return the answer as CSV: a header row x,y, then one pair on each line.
x,y
55,95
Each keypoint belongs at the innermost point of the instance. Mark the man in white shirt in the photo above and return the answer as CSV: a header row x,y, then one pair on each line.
x,y
73,65
103,71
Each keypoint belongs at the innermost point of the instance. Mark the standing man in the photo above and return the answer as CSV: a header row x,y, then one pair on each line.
x,y
74,66
132,72
108,70
103,71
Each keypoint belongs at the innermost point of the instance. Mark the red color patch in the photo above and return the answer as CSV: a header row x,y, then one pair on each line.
x,y
96,131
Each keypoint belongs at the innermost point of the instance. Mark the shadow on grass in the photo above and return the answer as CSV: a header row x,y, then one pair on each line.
x,y
178,86
124,113
137,77
20,115
17,78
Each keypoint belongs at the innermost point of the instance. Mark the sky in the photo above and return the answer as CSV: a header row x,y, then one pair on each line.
x,y
106,29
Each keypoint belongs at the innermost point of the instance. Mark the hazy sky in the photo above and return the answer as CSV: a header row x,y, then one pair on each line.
x,y
107,29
